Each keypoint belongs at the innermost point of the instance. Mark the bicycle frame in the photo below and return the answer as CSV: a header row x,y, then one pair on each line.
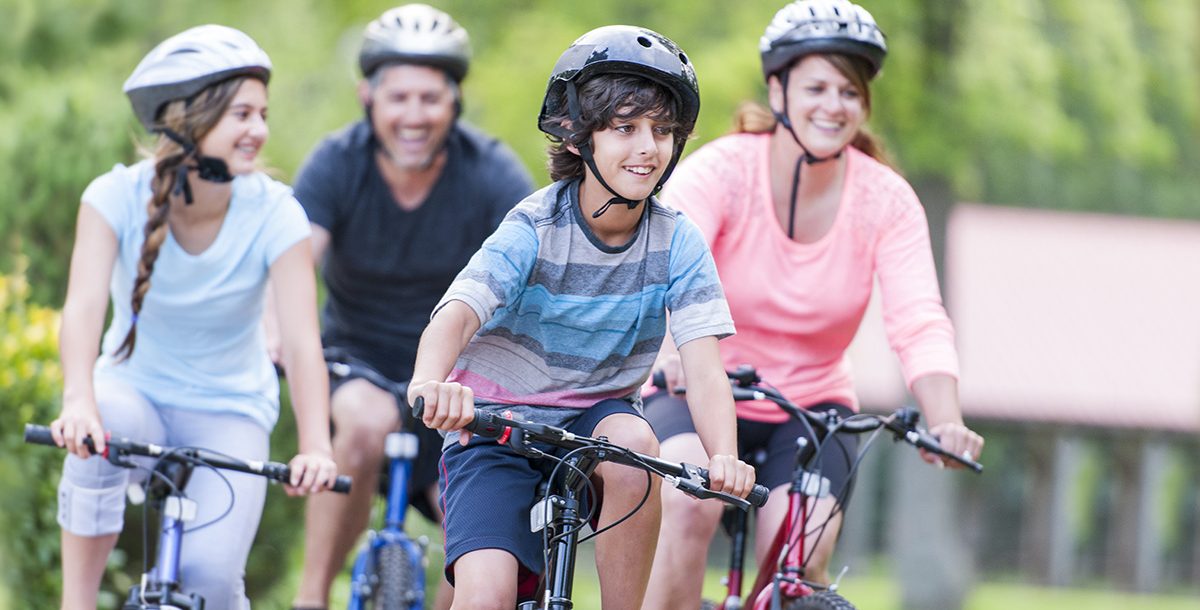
x,y
161,584
401,450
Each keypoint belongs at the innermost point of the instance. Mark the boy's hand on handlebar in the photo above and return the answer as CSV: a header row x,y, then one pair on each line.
x,y
310,473
75,424
448,405
956,439
730,475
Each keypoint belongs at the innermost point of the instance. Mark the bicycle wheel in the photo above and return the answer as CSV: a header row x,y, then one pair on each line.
x,y
823,600
399,579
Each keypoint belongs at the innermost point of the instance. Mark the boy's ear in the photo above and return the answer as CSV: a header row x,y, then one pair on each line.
x,y
364,92
566,124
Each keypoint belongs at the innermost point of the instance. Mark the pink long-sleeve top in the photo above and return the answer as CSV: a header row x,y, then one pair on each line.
x,y
797,306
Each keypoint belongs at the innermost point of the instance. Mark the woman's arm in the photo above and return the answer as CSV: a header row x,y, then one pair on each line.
x,y
92,261
295,291
937,395
711,404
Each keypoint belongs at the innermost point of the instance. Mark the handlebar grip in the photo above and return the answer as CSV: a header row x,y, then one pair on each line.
x,y
39,435
659,380
485,423
758,496
342,484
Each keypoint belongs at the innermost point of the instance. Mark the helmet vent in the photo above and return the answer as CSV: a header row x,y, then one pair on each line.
x,y
683,58
645,42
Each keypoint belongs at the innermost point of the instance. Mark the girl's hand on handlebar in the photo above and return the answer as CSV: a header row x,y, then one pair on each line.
x,y
956,439
730,475
448,405
76,423
311,473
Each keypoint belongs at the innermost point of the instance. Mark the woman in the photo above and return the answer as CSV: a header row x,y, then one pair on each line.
x,y
186,243
803,217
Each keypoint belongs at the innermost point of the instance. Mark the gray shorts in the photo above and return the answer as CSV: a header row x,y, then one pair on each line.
x,y
91,493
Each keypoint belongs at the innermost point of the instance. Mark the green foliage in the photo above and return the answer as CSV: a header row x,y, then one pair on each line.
x,y
30,381
1049,103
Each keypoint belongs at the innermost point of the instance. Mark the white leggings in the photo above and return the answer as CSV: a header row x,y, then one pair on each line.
x,y
91,493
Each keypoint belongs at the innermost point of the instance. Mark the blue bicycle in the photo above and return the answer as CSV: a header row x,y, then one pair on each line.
x,y
389,570
160,587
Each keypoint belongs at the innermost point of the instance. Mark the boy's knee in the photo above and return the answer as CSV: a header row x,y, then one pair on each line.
x,y
630,432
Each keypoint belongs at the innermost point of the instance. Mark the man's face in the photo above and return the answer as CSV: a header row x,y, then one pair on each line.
x,y
412,110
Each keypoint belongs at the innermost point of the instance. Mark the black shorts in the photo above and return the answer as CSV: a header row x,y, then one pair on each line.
x,y
769,447
488,490
424,472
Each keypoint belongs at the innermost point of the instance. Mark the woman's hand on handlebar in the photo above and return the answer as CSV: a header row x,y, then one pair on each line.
x,y
956,439
448,405
670,366
730,475
311,473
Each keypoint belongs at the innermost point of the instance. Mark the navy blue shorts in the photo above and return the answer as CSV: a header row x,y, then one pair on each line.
x,y
488,489
769,447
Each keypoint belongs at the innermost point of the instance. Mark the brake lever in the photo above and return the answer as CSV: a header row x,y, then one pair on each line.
x,y
693,484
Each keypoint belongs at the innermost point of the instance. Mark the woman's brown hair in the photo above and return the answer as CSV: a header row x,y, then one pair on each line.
x,y
752,117
192,118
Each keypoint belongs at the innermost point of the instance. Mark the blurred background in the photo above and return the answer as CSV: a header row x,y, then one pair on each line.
x,y
1054,143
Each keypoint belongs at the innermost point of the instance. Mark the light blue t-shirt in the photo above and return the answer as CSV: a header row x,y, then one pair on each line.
x,y
200,344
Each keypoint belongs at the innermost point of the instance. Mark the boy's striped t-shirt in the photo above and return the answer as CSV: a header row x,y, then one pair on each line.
x,y
568,320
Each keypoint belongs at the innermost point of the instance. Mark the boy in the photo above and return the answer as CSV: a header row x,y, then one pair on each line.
x,y
561,313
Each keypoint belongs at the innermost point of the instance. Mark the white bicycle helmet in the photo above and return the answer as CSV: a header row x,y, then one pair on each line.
x,y
419,34
186,63
805,27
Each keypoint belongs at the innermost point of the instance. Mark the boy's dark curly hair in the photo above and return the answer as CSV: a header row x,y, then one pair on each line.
x,y
602,100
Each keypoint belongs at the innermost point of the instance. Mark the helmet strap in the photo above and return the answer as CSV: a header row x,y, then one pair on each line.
x,y
806,157
585,152
207,168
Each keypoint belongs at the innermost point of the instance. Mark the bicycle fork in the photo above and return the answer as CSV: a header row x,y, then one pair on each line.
x,y
561,516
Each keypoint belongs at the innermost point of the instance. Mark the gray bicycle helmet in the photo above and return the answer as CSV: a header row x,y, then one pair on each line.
x,y
623,49
805,27
186,63
416,33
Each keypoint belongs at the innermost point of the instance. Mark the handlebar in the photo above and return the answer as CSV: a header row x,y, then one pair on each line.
x,y
518,434
117,448
341,364
902,423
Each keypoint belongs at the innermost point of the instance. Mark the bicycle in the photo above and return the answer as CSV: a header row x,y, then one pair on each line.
x,y
561,516
389,570
160,587
784,587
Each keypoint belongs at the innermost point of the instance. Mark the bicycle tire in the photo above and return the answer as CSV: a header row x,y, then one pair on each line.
x,y
397,588
823,600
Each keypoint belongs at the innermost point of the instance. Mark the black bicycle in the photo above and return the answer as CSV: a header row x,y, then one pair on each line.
x,y
563,511
160,587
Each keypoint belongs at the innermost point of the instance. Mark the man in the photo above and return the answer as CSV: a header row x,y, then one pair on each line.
x,y
398,202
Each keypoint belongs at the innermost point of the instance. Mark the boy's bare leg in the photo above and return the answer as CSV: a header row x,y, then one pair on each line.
x,y
625,554
485,580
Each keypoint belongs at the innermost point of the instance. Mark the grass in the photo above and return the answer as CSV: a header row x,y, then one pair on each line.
x,y
874,590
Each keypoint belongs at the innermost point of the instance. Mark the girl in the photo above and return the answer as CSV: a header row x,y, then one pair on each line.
x,y
186,243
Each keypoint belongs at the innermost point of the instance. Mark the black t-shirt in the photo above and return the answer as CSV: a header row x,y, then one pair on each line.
x,y
385,267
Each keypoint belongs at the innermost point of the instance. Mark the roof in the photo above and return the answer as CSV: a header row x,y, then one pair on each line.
x,y
1064,317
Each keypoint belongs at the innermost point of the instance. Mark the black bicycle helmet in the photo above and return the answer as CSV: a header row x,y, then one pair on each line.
x,y
805,27
419,34
186,63
620,49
